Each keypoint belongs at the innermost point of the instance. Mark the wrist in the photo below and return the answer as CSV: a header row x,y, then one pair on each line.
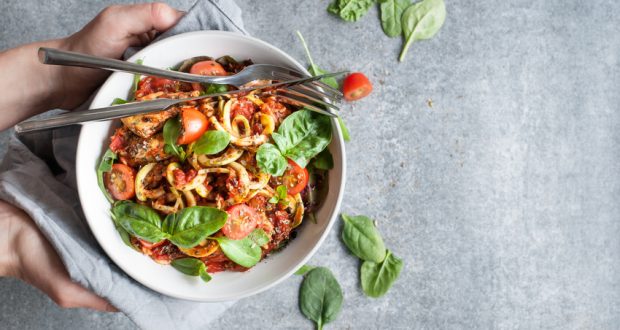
x,y
9,231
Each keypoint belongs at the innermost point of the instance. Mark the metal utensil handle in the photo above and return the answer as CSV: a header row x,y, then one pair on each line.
x,y
76,117
61,57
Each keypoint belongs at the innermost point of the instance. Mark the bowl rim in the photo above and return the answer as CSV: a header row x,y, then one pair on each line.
x,y
83,189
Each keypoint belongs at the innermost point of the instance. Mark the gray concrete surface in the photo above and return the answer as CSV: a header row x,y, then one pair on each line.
x,y
502,198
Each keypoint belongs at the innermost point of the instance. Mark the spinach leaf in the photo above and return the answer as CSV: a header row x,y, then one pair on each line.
x,y
172,130
139,220
280,196
118,101
324,160
270,160
216,88
350,10
377,278
245,252
191,267
303,270
136,77
125,237
105,166
362,238
391,13
211,142
320,296
345,131
314,69
192,225
303,135
421,21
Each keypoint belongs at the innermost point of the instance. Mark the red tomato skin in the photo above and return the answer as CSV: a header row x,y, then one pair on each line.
x,y
194,124
206,68
120,182
302,176
243,107
356,86
242,219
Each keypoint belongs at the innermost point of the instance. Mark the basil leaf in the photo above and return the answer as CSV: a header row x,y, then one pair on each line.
x,y
362,238
141,228
421,21
350,10
117,101
172,130
303,270
211,142
193,224
324,160
377,278
345,131
216,88
391,13
320,296
259,237
125,237
270,160
314,69
245,252
136,77
135,210
191,267
303,135
105,166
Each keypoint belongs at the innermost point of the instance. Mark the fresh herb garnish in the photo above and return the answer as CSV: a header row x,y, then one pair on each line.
x,y
105,166
172,130
280,196
324,160
391,13
190,226
345,131
350,10
421,21
377,278
216,88
191,267
320,296
245,252
136,77
118,101
270,160
139,220
211,142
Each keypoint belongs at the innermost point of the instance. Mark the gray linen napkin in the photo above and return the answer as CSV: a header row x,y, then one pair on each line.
x,y
38,175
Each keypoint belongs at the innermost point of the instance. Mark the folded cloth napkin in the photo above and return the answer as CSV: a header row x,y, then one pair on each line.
x,y
38,175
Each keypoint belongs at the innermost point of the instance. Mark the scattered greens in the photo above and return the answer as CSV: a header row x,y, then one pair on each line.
x,y
270,160
345,131
350,10
105,166
391,13
377,278
172,130
380,268
192,267
313,68
118,101
324,160
320,296
136,77
139,220
192,225
216,88
362,238
211,142
421,21
280,196
245,252
303,270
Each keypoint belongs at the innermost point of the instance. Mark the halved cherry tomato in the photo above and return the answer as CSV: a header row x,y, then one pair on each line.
x,y
150,245
194,124
120,182
356,86
295,178
207,68
242,219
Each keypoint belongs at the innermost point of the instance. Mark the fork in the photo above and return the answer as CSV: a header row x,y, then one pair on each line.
x,y
317,91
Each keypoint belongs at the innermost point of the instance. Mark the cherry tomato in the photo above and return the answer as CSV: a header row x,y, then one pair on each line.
x,y
150,245
356,86
295,178
150,84
194,124
207,68
120,182
242,219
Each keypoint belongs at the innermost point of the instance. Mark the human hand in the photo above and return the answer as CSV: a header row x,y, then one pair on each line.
x,y
37,88
26,254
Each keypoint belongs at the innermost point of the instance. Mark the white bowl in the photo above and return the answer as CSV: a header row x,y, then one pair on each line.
x,y
94,140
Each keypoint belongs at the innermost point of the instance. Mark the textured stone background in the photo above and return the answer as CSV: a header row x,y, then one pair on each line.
x,y
502,198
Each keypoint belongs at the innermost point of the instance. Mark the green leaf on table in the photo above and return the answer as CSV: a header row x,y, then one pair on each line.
x,y
303,270
377,278
105,165
421,21
345,131
211,142
350,10
320,296
190,226
362,238
314,69
391,13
